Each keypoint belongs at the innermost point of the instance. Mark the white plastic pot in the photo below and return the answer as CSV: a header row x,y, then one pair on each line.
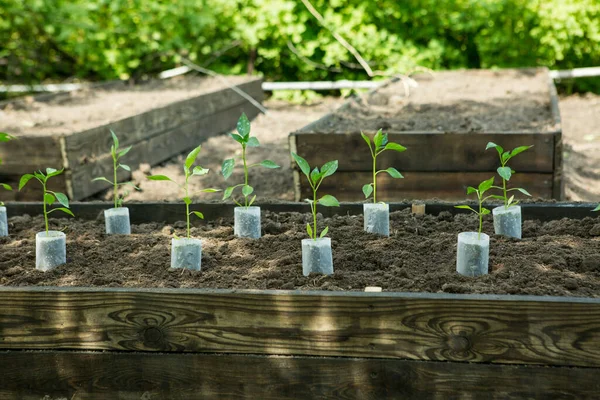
x,y
377,218
186,253
247,222
50,250
3,222
117,221
316,256
472,255
507,221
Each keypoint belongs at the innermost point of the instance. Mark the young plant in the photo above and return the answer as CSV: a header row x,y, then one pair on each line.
x,y
315,178
5,137
506,172
480,191
116,154
189,172
50,197
243,137
380,144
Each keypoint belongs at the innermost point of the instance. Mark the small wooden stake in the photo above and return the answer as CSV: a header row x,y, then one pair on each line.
x,y
418,209
374,289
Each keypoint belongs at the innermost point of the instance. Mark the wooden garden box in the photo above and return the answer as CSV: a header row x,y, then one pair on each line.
x,y
123,343
156,134
445,123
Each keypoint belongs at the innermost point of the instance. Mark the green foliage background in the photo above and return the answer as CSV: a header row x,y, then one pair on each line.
x,y
107,39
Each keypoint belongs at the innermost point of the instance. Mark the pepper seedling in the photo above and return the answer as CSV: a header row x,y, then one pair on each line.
x,y
50,197
5,137
315,178
189,172
506,172
480,191
380,144
116,155
243,138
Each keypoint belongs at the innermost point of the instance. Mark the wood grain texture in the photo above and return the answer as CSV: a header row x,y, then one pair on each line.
x,y
92,375
438,327
29,153
347,186
159,148
429,152
85,146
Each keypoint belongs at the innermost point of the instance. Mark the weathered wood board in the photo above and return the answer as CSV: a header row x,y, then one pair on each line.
x,y
155,135
431,157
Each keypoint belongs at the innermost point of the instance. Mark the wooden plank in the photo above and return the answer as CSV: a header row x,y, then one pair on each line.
x,y
347,186
429,152
28,154
33,190
419,326
84,146
159,148
92,375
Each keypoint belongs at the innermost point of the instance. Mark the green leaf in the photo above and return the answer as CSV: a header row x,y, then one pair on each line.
x,y
191,158
597,208
62,199
329,201
227,167
519,150
505,157
525,192
268,164
486,185
243,125
24,179
324,232
505,172
367,190
5,137
484,211
366,138
253,142
198,170
499,149
466,208
65,210
329,168
125,167
101,178
247,190
187,201
315,175
237,138
198,214
159,178
380,139
124,151
210,190
510,200
6,186
395,147
393,172
49,199
252,200
115,139
228,191
302,164
309,230
471,190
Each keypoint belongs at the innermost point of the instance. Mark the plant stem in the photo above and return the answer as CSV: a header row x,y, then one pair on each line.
x,y
505,195
45,210
116,186
187,207
374,178
245,173
480,219
314,210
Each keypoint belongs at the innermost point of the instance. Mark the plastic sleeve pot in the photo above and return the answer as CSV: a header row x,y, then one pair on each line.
x,y
247,222
186,253
316,256
50,250
117,221
3,222
472,254
507,221
377,218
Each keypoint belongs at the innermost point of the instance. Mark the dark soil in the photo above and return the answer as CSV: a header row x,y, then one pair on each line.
x,y
88,108
452,101
560,258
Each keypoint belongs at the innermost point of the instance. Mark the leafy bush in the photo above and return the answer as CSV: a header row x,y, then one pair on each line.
x,y
108,39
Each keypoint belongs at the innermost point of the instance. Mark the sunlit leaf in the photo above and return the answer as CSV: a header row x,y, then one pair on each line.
x,y
243,125
268,164
367,190
505,173
304,167
62,199
191,158
309,230
329,201
187,200
247,190
394,173
329,168
6,186
253,142
125,167
395,147
198,214
49,199
324,232
227,167
24,179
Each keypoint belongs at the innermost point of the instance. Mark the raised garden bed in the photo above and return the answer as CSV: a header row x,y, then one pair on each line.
x,y
445,123
334,343
160,119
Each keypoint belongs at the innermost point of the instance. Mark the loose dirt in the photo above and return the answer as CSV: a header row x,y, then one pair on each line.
x,y
452,101
560,258
88,108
